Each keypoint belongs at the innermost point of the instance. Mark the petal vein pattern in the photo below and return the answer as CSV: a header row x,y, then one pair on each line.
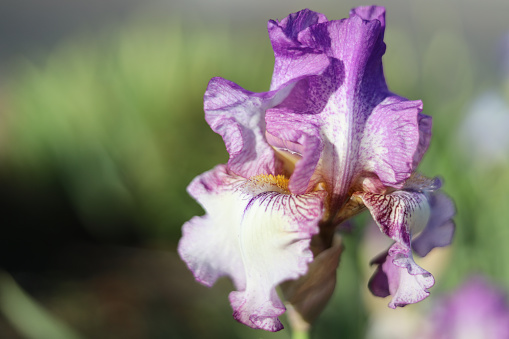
x,y
254,232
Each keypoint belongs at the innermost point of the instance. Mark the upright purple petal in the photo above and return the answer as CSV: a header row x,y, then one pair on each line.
x,y
296,124
294,57
340,117
370,13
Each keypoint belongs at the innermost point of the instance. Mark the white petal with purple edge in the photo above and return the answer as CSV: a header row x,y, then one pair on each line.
x,y
210,251
407,282
255,232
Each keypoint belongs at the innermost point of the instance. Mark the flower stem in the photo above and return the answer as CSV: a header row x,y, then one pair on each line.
x,y
300,334
300,327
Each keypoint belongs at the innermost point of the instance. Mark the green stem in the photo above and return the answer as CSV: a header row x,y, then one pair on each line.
x,y
300,334
300,327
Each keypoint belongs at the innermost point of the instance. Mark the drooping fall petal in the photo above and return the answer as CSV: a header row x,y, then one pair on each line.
x,y
398,275
397,215
254,231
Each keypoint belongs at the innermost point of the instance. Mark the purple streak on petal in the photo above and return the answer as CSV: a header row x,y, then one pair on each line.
x,y
238,116
292,122
398,214
425,124
440,228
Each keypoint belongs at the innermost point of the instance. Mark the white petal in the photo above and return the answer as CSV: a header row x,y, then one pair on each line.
x,y
255,232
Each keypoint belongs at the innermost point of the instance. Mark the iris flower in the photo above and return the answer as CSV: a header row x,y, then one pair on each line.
x,y
327,141
477,309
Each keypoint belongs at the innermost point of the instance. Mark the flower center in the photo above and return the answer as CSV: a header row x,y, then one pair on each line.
x,y
269,182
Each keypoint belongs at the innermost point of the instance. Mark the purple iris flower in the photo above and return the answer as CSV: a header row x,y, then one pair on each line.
x,y
325,142
478,309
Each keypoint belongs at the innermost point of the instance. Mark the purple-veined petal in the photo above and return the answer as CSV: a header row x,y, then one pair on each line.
x,y
399,276
254,231
397,215
440,228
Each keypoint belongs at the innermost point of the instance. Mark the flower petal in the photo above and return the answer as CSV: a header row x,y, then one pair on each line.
x,y
295,122
424,138
397,214
238,116
440,228
398,275
255,232
370,13
202,240
391,138
344,121
294,57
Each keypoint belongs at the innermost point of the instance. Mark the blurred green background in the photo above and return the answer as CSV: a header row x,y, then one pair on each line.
x,y
101,130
